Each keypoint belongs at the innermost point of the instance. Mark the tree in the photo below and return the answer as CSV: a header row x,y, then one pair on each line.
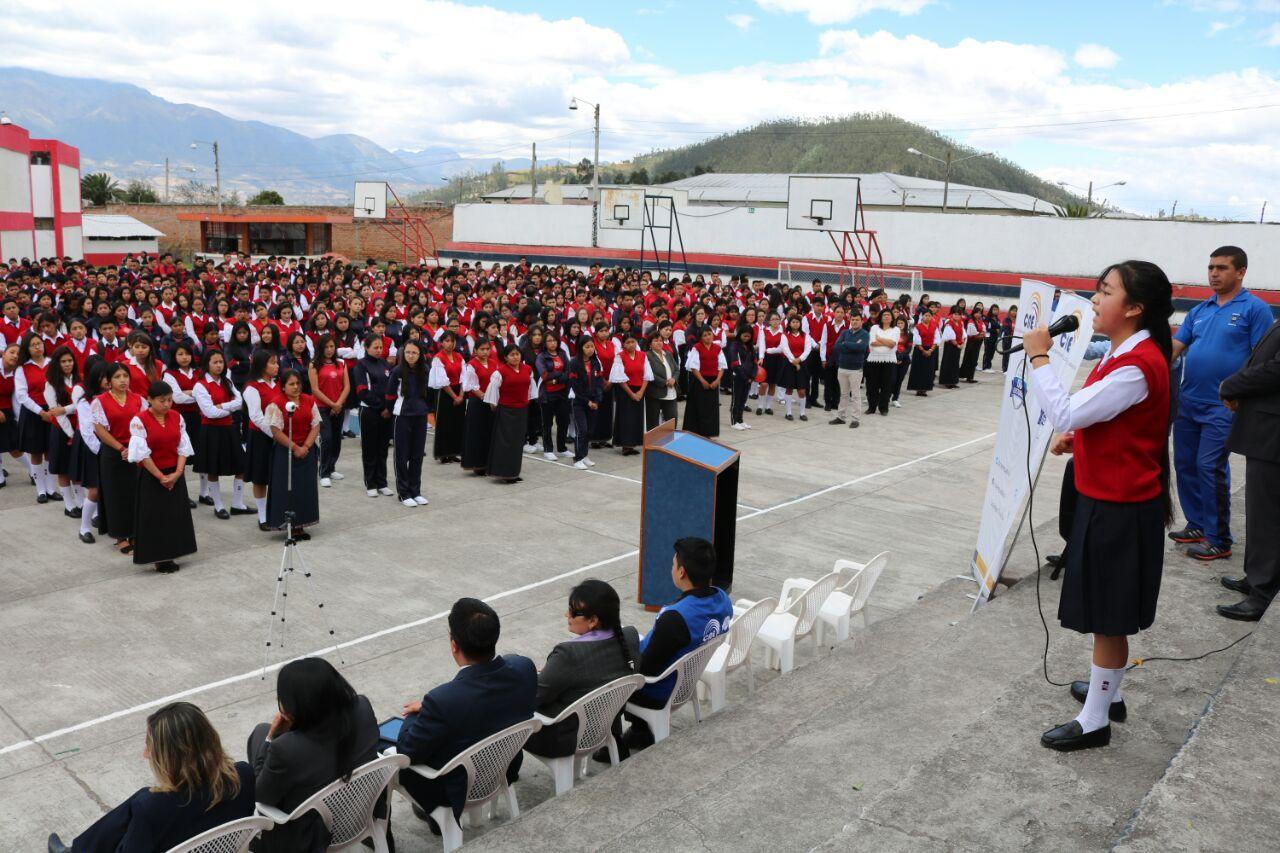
x,y
582,171
267,197
138,192
668,177
98,188
703,170
498,177
639,176
194,192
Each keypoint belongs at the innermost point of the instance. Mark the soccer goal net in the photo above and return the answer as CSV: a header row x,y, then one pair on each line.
x,y
892,281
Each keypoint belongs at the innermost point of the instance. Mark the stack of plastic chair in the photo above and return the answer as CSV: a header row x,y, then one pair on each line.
x,y
790,621
849,598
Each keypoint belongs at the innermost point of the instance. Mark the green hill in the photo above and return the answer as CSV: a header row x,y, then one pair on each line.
x,y
857,143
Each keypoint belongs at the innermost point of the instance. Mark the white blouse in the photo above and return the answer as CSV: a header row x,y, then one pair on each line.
x,y
51,401
618,374
205,401
495,382
884,354
84,418
693,363
275,418
1101,401
140,450
21,392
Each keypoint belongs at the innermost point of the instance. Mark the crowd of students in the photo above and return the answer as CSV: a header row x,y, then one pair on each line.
x,y
115,380
323,730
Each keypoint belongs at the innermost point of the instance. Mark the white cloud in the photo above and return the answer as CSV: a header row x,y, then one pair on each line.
x,y
1273,35
823,12
1219,26
742,22
489,82
1096,56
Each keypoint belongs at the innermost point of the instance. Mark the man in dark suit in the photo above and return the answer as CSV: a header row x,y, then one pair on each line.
x,y
489,693
1253,393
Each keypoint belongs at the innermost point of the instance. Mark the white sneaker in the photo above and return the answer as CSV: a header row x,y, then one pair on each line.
x,y
739,427
531,448
581,465
385,491
566,454
420,500
336,476
373,493
324,481
746,425
550,457
587,460
408,502
895,404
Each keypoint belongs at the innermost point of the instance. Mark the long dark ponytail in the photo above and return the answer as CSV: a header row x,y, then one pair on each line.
x,y
597,598
1146,284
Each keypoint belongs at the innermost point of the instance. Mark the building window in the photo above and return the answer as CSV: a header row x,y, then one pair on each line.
x,y
277,238
44,223
320,236
41,158
220,239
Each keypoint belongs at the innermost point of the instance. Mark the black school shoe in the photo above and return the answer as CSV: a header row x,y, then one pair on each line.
x,y
1118,711
1070,737
222,514
167,567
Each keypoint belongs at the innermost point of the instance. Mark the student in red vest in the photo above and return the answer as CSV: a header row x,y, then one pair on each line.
x,y
182,376
450,411
477,428
78,340
925,338
824,345
815,325
62,391
706,365
8,416
144,370
773,360
218,450
952,347
258,393
1117,427
112,413
975,333
794,378
294,420
552,368
34,421
607,348
331,385
159,446
511,387
630,377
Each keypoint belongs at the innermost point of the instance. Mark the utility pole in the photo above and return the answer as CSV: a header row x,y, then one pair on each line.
x,y
217,174
595,185
533,176
1088,205
946,182
1263,215
166,180
1174,213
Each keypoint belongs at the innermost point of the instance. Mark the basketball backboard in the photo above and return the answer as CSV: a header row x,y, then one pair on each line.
x,y
822,202
370,200
622,209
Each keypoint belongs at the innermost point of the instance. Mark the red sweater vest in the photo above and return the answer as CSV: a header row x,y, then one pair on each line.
x,y
185,384
484,371
163,438
452,364
219,397
36,380
1119,460
708,360
514,391
118,416
633,366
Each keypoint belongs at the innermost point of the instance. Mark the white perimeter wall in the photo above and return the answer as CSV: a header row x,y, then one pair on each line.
x,y
1019,244
122,247
17,244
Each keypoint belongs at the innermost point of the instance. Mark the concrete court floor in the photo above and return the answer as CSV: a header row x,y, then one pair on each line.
x,y
93,643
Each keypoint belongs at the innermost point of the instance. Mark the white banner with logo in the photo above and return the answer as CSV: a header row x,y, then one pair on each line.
x,y
1018,456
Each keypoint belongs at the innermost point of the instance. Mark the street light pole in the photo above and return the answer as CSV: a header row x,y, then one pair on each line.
x,y
947,163
595,170
217,168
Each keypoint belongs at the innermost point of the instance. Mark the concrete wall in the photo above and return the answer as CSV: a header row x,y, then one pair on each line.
x,y
42,191
17,245
1019,244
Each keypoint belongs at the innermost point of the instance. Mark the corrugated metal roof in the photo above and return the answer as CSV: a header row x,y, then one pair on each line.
x,y
113,226
879,189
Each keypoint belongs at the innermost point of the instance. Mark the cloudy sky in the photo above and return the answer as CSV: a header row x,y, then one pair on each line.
x,y
1178,98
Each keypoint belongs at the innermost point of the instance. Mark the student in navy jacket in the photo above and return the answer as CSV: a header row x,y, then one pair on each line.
x,y
587,381
182,745
489,693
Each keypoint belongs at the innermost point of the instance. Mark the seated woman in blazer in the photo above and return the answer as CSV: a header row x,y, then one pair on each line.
x,y
323,731
197,788
600,651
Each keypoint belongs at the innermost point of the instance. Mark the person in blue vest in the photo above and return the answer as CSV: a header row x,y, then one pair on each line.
x,y
1216,337
701,613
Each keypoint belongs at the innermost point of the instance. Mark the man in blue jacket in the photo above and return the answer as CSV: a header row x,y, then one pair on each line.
x,y
489,693
850,353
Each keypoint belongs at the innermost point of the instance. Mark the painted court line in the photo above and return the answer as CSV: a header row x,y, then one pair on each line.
x,y
539,458
259,672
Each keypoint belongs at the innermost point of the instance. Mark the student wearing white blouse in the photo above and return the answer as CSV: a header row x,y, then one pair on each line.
x,y
882,363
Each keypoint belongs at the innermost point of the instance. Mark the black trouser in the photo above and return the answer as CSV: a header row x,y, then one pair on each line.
x,y
411,444
330,440
830,386
583,419
741,385
1261,535
1004,357
989,350
375,435
880,377
533,428
556,408
815,376
659,411
902,369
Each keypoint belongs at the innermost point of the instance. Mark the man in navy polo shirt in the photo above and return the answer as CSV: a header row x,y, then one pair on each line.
x,y
1217,337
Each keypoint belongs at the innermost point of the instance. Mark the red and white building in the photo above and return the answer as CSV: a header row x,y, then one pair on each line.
x,y
39,197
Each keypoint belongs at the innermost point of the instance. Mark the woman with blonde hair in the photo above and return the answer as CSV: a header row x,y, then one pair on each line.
x,y
197,787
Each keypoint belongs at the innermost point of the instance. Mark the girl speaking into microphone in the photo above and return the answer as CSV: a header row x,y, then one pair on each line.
x,y
1117,427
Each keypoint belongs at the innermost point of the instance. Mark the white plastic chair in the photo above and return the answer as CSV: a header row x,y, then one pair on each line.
x,y
735,653
595,712
485,763
687,670
790,622
347,807
850,595
232,837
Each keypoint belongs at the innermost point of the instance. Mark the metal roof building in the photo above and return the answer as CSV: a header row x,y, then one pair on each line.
x,y
108,237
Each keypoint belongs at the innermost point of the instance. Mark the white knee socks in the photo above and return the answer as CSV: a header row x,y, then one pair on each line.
x,y
215,492
237,494
802,401
87,513
262,511
1104,688
786,403
204,485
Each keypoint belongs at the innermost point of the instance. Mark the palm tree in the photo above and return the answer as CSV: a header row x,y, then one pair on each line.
x,y
99,188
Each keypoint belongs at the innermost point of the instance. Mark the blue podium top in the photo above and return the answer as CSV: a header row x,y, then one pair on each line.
x,y
697,449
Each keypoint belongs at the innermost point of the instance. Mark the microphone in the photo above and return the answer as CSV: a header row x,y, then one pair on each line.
x,y
291,407
1060,326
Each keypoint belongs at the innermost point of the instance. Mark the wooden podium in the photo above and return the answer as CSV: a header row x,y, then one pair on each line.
x,y
690,488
